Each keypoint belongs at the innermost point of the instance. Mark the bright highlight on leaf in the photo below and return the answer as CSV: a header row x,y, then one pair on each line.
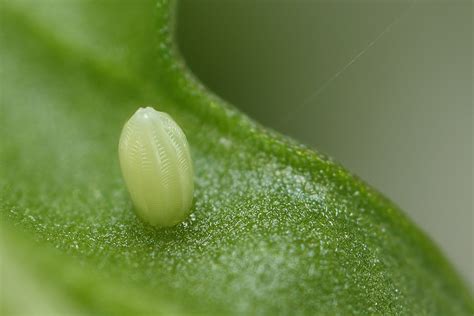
x,y
157,168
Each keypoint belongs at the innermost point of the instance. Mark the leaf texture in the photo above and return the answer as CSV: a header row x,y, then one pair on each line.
x,y
276,228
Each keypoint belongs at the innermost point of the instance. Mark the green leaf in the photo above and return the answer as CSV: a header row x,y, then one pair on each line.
x,y
276,227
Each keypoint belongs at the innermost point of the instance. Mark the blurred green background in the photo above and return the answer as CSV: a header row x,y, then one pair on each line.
x,y
385,87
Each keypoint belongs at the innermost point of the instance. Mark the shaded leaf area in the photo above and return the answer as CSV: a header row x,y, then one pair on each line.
x,y
276,228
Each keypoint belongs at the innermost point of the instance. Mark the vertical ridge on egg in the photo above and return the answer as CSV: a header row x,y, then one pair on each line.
x,y
157,168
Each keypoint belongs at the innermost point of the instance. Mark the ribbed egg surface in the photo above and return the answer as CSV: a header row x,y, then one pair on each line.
x,y
157,167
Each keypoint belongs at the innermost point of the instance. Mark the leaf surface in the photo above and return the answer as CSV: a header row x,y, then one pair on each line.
x,y
276,228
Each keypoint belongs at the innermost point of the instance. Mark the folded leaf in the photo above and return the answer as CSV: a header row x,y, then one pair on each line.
x,y
276,228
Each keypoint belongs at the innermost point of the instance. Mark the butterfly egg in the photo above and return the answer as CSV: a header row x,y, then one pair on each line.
x,y
157,168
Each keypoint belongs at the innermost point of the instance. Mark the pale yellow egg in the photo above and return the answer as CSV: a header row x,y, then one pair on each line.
x,y
157,167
